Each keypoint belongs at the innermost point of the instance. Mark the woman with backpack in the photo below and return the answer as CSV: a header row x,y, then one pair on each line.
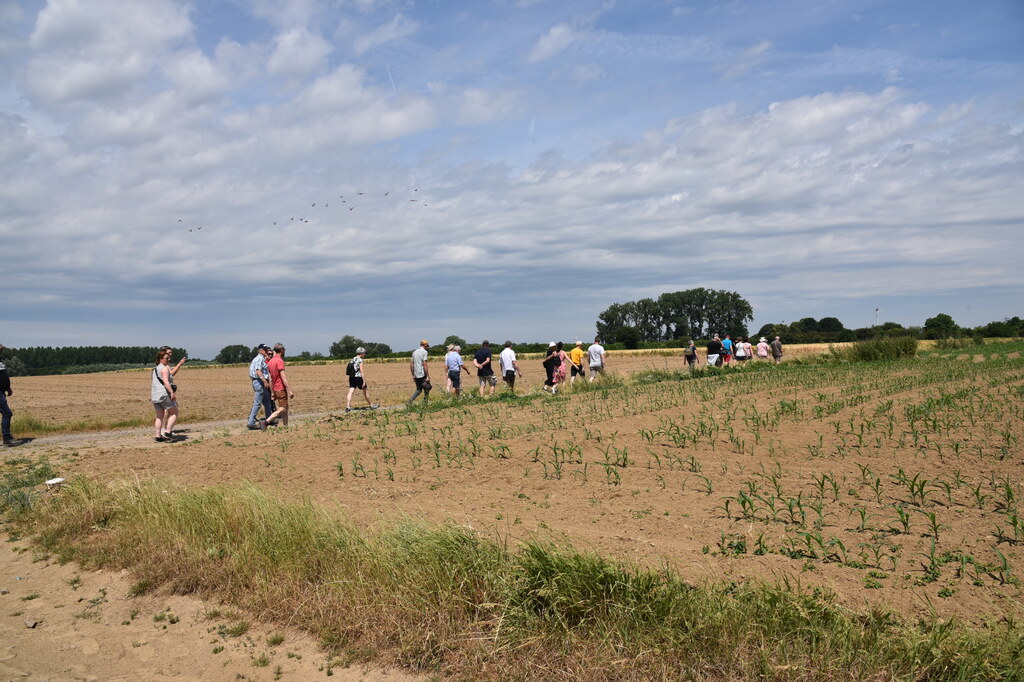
x,y
356,380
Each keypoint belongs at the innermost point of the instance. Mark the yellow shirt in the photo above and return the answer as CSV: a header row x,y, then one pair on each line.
x,y
576,356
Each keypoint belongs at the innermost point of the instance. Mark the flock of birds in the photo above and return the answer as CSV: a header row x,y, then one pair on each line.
x,y
350,206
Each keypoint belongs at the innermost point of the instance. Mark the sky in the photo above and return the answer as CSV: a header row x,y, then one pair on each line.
x,y
201,174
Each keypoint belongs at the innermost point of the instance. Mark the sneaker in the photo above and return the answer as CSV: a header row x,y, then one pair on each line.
x,y
263,425
157,439
375,406
347,410
253,427
169,437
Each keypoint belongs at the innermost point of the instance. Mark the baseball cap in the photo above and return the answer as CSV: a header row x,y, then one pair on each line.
x,y
263,346
578,342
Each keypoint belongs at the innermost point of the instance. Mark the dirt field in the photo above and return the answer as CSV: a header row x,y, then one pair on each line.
x,y
889,486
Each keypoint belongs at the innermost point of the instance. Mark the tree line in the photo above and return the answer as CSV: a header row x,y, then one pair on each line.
x,y
76,359
691,314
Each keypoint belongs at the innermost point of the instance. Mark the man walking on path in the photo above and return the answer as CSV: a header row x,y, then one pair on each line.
x,y
279,385
777,350
484,369
357,380
597,358
576,356
727,350
509,366
420,372
260,376
5,410
454,364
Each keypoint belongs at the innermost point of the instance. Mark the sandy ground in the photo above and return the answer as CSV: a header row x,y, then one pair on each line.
x,y
667,509
64,623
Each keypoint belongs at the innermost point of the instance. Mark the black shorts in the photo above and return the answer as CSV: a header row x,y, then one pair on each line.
x,y
510,377
356,382
577,371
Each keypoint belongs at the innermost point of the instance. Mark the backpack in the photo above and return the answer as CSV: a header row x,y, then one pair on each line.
x,y
690,351
350,369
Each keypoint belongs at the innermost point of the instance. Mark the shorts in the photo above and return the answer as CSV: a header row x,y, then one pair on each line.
x,y
488,380
353,382
281,398
712,359
596,369
690,359
726,357
456,378
576,370
165,404
510,377
742,358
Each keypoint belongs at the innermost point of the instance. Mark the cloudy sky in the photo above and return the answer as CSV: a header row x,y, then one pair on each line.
x,y
500,168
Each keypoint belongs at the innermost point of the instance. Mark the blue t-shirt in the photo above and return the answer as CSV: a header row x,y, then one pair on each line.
x,y
482,356
727,346
453,361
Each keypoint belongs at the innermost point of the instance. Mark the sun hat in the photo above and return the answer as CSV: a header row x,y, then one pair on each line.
x,y
763,339
552,344
424,342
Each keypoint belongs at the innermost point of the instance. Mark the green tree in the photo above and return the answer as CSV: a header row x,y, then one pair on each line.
x,y
16,366
455,341
630,337
941,326
234,354
345,347
830,324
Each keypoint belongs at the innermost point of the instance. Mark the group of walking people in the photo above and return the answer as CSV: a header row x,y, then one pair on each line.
x,y
558,366
272,391
724,352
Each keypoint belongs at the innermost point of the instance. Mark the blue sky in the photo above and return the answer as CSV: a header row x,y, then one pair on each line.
x,y
500,169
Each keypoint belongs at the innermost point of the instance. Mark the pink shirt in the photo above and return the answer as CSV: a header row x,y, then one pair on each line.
x,y
276,366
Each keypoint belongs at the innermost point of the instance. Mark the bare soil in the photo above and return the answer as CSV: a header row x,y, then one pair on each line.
x,y
835,438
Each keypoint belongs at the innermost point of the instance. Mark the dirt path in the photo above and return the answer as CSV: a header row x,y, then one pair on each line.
x,y
63,623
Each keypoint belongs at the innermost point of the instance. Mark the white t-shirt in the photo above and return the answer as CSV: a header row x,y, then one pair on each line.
x,y
419,356
596,353
506,358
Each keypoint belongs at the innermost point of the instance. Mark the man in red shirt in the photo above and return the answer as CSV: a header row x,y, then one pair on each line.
x,y
282,391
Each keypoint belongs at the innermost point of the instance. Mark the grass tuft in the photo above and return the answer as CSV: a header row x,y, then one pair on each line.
x,y
446,599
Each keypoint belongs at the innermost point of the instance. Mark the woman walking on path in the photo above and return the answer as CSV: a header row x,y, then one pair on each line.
x,y
561,365
163,394
762,349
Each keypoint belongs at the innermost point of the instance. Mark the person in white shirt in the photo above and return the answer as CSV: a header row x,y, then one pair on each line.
x,y
420,372
509,366
597,358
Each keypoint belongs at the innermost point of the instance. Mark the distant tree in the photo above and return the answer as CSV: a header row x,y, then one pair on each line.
x,y
629,337
807,324
234,354
454,341
16,366
345,347
694,313
374,349
830,324
941,326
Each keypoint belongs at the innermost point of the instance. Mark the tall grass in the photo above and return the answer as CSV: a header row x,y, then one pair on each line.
x,y
449,600
879,348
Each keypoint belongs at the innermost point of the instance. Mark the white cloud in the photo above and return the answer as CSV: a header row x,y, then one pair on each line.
x,y
396,28
745,61
96,49
557,39
298,52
